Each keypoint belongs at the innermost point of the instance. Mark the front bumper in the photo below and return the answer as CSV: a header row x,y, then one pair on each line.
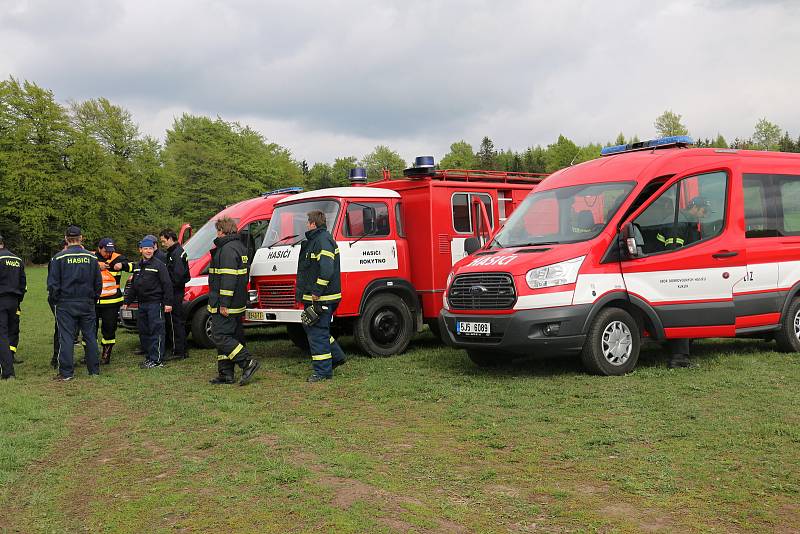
x,y
522,332
273,315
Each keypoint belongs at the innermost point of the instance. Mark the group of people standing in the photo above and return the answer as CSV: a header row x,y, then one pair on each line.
x,y
85,296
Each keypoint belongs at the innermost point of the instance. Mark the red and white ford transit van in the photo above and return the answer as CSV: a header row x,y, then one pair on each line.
x,y
655,240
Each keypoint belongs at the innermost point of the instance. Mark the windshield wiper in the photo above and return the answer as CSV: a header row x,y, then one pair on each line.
x,y
282,240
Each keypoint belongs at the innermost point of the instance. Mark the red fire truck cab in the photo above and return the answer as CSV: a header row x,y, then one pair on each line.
x,y
657,240
252,217
397,238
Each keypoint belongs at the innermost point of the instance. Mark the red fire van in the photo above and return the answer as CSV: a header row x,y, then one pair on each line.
x,y
398,239
252,217
655,240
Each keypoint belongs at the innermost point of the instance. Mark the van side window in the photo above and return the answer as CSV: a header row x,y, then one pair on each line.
x,y
771,205
463,215
690,211
361,216
789,187
257,230
759,220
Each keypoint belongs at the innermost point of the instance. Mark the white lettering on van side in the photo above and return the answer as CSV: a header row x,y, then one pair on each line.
x,y
493,260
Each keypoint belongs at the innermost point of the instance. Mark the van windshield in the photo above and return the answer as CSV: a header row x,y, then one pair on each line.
x,y
202,240
288,224
563,215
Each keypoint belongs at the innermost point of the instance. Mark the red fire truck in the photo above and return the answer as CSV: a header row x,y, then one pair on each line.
x,y
656,241
398,240
252,216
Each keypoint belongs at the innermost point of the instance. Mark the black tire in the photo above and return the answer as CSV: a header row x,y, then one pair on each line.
x,y
788,337
385,327
297,335
488,359
201,328
612,344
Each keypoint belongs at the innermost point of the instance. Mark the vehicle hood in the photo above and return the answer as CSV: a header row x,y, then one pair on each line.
x,y
518,261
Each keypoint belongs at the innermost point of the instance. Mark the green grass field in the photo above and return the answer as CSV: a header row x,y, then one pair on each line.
x,y
422,442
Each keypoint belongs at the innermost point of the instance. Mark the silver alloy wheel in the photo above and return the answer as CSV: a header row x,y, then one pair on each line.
x,y
797,325
617,342
208,327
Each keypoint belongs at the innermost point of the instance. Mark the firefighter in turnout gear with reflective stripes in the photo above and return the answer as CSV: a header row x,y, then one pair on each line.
x,y
319,289
112,265
12,290
227,300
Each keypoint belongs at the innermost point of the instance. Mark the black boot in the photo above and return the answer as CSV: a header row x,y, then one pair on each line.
x,y
105,357
679,360
249,371
222,379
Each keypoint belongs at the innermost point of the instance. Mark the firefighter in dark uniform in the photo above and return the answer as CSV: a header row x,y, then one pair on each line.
x,y
227,300
151,287
112,264
74,284
319,289
12,291
13,331
178,267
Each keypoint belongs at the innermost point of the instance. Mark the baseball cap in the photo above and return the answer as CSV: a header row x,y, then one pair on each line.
x,y
147,242
73,231
152,238
106,243
700,202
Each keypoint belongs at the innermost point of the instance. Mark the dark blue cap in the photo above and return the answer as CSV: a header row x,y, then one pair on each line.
x,y
146,242
73,231
106,243
423,161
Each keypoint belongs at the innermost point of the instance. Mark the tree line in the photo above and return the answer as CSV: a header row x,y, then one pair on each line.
x,y
87,163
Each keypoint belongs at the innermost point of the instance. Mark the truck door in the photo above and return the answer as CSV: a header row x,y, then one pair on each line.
x,y
466,220
691,256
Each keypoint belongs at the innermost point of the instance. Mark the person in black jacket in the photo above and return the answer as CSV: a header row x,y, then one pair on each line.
x,y
152,288
319,287
112,264
12,290
227,300
178,267
74,284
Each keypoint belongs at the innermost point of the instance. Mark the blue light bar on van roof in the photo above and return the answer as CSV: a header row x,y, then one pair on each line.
x,y
664,142
284,191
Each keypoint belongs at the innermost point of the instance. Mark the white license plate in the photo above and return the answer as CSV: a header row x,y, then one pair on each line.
x,y
255,316
127,314
473,329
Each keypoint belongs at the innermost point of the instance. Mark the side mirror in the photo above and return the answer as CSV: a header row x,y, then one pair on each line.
x,y
472,245
632,241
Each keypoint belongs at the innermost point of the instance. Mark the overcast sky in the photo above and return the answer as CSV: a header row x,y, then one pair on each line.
x,y
336,78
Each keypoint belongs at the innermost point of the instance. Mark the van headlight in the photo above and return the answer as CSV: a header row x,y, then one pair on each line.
x,y
557,274
445,304
449,280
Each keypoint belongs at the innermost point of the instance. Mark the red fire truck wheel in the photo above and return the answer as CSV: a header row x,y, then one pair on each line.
x,y
385,327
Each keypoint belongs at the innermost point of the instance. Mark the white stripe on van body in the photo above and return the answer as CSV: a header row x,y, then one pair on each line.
x,y
590,287
684,285
544,300
788,273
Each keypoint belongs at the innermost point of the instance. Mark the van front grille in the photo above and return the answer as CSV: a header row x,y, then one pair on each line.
x,y
482,291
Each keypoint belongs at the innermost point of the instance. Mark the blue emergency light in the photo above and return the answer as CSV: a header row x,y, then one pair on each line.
x,y
357,175
424,162
284,191
664,142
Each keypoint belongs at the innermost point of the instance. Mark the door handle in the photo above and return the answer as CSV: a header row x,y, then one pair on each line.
x,y
725,254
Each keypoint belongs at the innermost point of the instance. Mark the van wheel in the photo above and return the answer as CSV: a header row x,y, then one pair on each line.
x,y
788,337
612,344
386,326
488,359
201,328
297,335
